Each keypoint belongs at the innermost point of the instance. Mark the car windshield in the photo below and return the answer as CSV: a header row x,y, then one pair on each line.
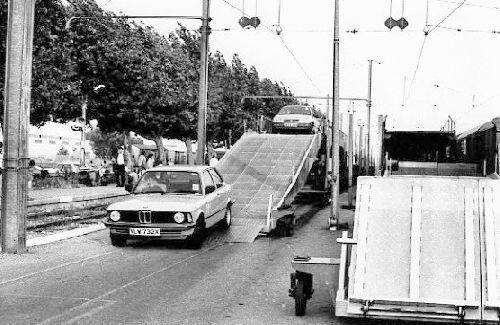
x,y
169,182
295,110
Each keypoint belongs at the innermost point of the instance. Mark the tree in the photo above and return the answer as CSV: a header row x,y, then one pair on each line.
x,y
151,82
51,86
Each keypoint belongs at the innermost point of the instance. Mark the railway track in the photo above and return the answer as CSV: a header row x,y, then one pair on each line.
x,y
46,221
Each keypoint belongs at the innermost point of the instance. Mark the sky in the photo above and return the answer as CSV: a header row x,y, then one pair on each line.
x,y
418,80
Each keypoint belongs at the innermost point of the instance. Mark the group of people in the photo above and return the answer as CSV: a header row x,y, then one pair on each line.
x,y
122,162
142,163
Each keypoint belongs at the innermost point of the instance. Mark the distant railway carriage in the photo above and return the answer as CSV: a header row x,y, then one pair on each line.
x,y
481,145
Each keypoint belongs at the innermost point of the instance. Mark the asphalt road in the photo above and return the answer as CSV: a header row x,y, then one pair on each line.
x,y
87,281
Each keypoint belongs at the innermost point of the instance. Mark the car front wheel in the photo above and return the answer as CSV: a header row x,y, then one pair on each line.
x,y
196,239
228,218
117,240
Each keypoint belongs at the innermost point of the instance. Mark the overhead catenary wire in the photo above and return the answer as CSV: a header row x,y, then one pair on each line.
x,y
447,16
469,4
445,30
286,47
426,33
245,15
299,64
416,67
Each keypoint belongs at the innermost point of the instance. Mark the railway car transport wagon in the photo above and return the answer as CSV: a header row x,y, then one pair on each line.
x,y
423,248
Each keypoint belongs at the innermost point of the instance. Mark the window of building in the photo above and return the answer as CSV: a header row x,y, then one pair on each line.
x,y
38,141
52,141
65,143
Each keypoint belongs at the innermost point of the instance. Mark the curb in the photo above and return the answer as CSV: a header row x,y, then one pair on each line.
x,y
63,235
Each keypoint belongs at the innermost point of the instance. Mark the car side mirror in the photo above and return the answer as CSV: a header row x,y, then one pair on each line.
x,y
209,189
129,187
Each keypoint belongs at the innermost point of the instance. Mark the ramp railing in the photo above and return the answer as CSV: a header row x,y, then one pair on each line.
x,y
300,174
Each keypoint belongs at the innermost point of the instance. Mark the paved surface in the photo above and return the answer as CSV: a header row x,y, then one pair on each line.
x,y
85,280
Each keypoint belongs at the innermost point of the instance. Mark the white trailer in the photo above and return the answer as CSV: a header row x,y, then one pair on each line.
x,y
423,248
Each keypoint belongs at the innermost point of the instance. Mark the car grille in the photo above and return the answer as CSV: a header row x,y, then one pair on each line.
x,y
156,216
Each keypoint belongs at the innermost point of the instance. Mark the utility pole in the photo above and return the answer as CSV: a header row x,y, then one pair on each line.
x,y
380,146
203,90
328,140
368,119
360,150
334,207
19,49
349,161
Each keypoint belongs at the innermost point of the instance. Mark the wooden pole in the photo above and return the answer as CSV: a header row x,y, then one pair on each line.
x,y
328,140
349,162
203,88
19,49
334,211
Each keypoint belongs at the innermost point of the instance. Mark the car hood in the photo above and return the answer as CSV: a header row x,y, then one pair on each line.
x,y
159,202
301,118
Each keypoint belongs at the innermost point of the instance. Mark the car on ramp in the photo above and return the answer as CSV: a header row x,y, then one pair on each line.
x,y
172,202
295,119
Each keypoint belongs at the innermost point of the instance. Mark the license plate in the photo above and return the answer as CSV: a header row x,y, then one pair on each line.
x,y
145,231
293,125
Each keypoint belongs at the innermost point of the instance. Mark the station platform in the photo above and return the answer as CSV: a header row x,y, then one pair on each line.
x,y
53,195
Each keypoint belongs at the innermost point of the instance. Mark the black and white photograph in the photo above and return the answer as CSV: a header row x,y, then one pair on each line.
x,y
249,162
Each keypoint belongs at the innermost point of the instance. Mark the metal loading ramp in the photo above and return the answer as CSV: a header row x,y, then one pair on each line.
x,y
426,248
261,165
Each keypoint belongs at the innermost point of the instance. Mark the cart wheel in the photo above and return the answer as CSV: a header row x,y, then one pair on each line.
x,y
300,298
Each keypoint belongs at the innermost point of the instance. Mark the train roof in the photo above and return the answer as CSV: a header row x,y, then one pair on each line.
x,y
479,128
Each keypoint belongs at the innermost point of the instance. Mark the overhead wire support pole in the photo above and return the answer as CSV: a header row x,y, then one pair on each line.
x,y
328,140
18,67
349,157
333,222
203,87
368,118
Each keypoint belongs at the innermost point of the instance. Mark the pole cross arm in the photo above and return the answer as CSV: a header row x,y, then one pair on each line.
x,y
303,97
70,20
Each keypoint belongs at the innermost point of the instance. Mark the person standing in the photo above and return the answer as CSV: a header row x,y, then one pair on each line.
x,y
213,161
141,163
150,161
120,168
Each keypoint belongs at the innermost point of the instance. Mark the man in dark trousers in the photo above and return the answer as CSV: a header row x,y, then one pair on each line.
x,y
120,168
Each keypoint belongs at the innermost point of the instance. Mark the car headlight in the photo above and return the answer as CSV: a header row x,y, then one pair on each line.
x,y
189,217
114,215
179,217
